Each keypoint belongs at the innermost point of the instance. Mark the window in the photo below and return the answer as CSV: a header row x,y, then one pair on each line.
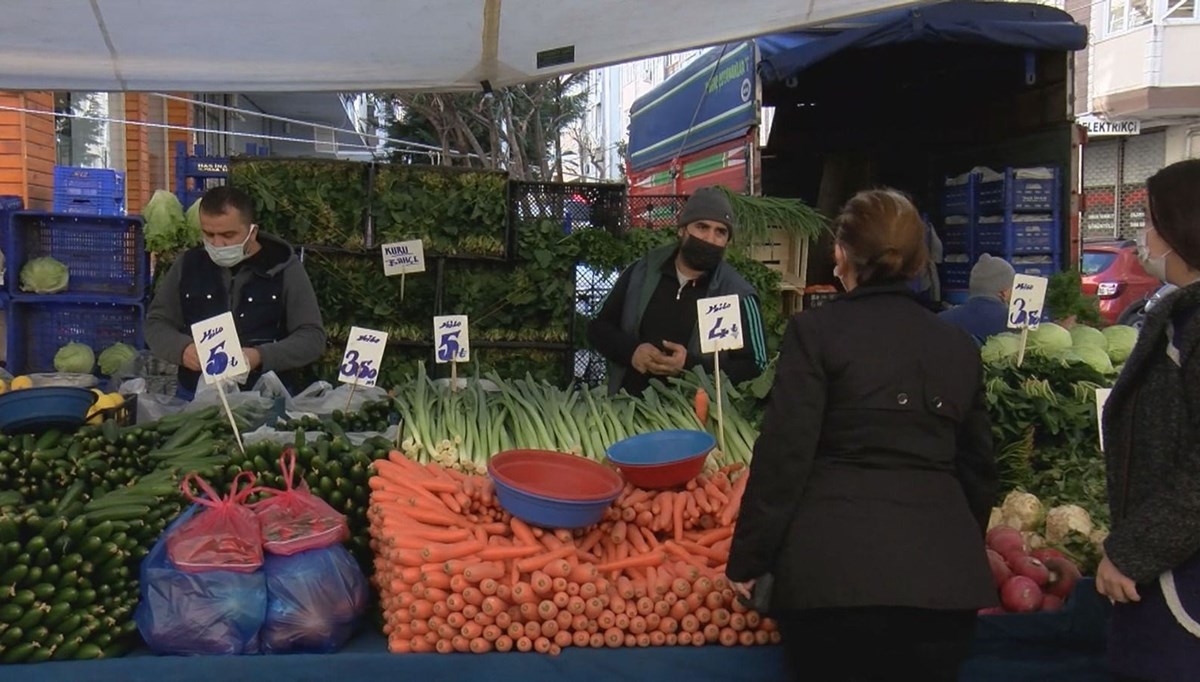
x,y
1128,14
1181,10
1096,262
82,132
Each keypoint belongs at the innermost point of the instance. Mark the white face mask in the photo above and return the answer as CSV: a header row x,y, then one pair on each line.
x,y
229,256
1155,266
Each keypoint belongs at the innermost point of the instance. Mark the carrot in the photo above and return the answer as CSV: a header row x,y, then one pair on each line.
x,y
650,559
541,583
618,534
729,513
701,405
702,502
456,550
523,532
542,645
638,541
504,643
581,638
539,561
474,573
558,568
713,536
436,485
691,508
584,574
524,644
644,518
562,639
658,638
678,507
666,503
706,552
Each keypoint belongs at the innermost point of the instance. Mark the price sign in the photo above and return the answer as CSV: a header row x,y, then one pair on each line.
x,y
401,258
1101,398
1028,298
219,349
720,323
450,337
363,356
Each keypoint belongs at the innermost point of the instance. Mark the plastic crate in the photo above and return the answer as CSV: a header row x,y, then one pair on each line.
x,y
956,238
106,257
955,296
37,330
955,275
1019,195
80,181
958,198
1017,237
93,206
1040,267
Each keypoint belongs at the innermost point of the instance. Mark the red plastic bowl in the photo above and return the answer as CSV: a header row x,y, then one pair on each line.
x,y
555,475
661,476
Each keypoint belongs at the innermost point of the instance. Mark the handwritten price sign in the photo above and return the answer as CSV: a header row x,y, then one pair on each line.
x,y
403,257
219,349
363,356
451,338
720,323
1028,298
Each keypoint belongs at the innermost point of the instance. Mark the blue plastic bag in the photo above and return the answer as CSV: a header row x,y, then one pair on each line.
x,y
214,612
315,600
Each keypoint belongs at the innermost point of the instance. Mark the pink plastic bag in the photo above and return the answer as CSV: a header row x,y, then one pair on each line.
x,y
294,520
224,536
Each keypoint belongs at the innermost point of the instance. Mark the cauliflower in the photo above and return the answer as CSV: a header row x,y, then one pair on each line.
x,y
1022,511
1097,537
996,518
1033,540
1062,521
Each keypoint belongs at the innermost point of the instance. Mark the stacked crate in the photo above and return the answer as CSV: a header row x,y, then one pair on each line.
x,y
89,191
1015,215
104,302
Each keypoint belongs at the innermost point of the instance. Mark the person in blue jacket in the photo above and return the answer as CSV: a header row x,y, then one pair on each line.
x,y
986,311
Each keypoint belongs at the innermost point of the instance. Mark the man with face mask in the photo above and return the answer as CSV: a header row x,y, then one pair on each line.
x,y
986,311
648,326
237,269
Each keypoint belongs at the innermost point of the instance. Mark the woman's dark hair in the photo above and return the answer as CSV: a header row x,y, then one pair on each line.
x,y
1174,203
883,235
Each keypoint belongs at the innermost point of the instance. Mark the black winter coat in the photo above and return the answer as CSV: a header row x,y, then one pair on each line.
x,y
874,474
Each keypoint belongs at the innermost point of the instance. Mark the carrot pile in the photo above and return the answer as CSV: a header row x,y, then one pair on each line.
x,y
456,573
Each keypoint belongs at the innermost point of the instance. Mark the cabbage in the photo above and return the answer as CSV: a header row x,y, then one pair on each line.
x,y
1048,339
75,358
116,356
191,229
1001,347
1083,335
44,276
1121,339
163,220
1096,358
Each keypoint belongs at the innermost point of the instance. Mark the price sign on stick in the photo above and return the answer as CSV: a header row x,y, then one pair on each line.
x,y
363,356
1025,309
1101,398
221,358
720,320
401,258
452,343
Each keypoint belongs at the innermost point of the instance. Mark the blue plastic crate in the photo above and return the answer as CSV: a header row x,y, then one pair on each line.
x,y
955,275
92,206
37,330
1019,195
956,238
959,199
1042,267
70,177
105,257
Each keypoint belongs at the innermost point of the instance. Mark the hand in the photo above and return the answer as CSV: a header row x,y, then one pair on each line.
x,y
645,357
191,358
253,358
1113,584
746,589
674,359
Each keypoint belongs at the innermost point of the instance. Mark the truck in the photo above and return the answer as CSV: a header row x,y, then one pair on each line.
x,y
965,106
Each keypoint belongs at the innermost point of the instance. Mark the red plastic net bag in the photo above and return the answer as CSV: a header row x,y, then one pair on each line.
x,y
224,535
293,519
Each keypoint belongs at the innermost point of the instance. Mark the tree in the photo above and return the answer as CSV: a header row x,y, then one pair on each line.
x,y
518,129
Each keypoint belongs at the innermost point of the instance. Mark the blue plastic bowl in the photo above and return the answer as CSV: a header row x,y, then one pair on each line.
x,y
553,489
31,410
662,459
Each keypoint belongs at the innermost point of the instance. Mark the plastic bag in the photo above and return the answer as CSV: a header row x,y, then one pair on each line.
x,y
295,520
223,536
321,399
183,613
315,601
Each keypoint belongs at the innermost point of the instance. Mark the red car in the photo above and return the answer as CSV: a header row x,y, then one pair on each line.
x,y
1112,273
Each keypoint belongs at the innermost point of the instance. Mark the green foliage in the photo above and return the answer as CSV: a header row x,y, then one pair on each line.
x,y
1064,299
306,201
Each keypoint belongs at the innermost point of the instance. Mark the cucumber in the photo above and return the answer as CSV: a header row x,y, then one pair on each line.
x,y
21,652
54,528
32,616
88,652
69,624
44,591
72,494
48,439
11,636
124,512
57,614
9,613
51,455
13,575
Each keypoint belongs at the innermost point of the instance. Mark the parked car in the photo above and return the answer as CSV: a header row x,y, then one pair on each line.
x,y
1112,273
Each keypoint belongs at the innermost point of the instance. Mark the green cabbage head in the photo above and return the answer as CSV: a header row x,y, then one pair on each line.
x,y
44,276
75,358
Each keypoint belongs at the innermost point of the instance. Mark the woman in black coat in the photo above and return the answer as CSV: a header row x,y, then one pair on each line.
x,y
1151,568
874,474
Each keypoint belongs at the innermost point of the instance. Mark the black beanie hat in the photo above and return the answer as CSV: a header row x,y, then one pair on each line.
x,y
708,203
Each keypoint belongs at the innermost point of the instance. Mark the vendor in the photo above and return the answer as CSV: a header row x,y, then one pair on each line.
x,y
648,325
985,313
242,270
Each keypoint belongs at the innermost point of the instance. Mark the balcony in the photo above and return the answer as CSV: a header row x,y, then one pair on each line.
x,y
1147,66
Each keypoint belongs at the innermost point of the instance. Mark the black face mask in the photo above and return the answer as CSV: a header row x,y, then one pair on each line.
x,y
701,255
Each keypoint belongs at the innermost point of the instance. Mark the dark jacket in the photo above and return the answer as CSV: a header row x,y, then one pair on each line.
x,y
874,473
648,305
269,294
1152,445
980,316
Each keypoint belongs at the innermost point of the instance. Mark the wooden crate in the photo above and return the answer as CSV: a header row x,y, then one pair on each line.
x,y
788,256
